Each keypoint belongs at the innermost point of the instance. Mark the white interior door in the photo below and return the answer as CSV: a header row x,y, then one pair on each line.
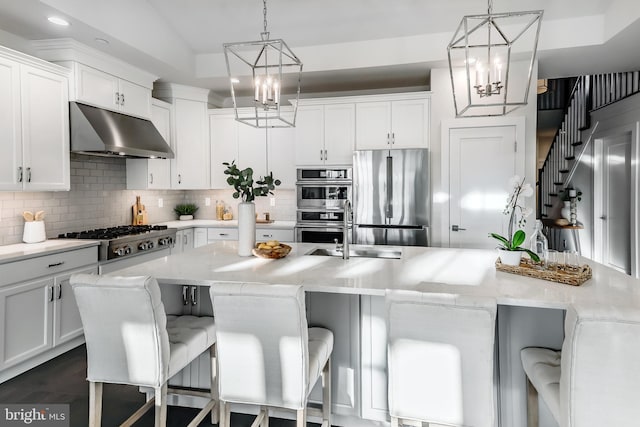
x,y
481,161
615,217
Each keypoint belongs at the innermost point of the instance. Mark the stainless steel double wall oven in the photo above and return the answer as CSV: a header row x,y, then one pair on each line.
x,y
321,193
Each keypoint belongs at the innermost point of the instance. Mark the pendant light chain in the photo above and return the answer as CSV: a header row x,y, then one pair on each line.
x,y
264,23
489,9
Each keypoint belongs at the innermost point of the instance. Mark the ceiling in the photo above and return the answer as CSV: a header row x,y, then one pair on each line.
x,y
344,45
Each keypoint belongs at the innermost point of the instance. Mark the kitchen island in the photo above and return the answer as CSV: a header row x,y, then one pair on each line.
x,y
347,296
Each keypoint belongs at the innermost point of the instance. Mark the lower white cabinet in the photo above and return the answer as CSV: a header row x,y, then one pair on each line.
x,y
373,359
199,237
263,234
39,313
221,233
184,241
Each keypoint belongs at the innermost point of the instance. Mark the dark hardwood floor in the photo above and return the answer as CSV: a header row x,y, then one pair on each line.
x,y
63,380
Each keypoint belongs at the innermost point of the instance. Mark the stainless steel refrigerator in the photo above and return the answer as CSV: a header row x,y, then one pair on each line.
x,y
391,197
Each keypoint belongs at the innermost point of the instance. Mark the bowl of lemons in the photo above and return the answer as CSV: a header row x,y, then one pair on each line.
x,y
272,249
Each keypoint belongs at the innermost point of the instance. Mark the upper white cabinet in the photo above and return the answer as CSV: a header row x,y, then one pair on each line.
x,y
325,134
264,150
191,167
402,123
154,174
34,124
104,90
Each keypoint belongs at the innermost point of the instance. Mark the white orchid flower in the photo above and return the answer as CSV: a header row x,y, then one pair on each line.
x,y
527,190
526,212
514,181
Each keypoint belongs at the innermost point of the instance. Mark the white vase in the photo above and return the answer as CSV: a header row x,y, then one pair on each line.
x,y
565,212
510,257
246,228
185,217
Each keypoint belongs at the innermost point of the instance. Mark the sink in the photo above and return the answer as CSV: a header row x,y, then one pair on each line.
x,y
360,252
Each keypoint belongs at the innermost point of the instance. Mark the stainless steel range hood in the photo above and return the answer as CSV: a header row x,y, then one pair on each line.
x,y
99,132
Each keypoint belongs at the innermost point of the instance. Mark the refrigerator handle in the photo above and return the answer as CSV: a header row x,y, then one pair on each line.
x,y
389,210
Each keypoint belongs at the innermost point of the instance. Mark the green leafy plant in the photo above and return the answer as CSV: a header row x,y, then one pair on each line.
x,y
185,209
242,182
517,214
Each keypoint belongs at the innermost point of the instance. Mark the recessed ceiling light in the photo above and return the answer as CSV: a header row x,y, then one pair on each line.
x,y
58,21
234,80
101,40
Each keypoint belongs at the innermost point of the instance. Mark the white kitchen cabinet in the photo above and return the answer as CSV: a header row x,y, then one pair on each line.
x,y
184,241
38,311
392,124
191,166
222,233
34,124
154,174
266,234
199,237
373,359
223,134
264,150
340,314
325,134
104,90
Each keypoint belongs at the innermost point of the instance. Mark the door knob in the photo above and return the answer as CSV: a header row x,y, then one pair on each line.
x,y
457,228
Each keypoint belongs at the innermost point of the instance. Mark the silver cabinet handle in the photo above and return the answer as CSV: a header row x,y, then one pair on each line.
x,y
185,298
267,235
393,137
186,239
122,99
388,139
325,154
59,291
28,174
194,300
457,228
117,98
320,154
50,293
19,173
55,264
179,179
150,178
223,234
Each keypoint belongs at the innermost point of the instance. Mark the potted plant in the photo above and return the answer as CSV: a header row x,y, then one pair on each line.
x,y
185,211
510,251
247,189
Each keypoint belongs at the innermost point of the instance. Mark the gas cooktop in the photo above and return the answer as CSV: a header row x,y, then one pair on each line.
x,y
111,233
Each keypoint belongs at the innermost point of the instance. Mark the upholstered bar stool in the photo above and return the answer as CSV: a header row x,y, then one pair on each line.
x,y
595,380
440,359
267,356
130,341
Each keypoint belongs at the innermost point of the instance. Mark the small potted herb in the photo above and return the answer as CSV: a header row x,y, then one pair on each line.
x,y
185,211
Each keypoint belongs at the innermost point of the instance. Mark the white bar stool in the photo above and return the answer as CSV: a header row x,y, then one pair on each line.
x,y
440,359
595,380
267,355
130,341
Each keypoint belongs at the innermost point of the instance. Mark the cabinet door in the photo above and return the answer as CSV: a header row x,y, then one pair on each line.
x,y
199,237
187,240
341,315
25,321
160,169
190,168
374,359
310,135
10,129
223,133
135,99
339,133
45,129
409,123
66,316
252,150
373,125
96,88
281,156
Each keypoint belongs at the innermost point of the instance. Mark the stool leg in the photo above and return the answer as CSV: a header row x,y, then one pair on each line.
x,y
95,404
301,417
225,415
394,422
532,405
326,394
161,406
215,412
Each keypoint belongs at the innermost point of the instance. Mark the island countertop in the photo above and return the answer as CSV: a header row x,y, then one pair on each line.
x,y
463,271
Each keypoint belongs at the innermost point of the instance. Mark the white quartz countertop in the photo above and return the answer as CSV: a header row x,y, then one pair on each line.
x,y
233,223
20,251
464,271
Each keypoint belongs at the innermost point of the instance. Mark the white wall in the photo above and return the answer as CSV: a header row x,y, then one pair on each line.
x,y
442,109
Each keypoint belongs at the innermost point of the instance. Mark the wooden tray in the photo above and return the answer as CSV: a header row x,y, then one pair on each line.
x,y
574,276
264,221
273,253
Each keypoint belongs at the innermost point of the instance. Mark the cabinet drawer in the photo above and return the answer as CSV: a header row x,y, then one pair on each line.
x,y
222,234
263,234
47,265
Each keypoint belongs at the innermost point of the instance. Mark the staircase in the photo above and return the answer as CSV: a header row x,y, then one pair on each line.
x,y
589,93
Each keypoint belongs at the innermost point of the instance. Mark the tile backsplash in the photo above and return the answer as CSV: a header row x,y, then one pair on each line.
x,y
99,198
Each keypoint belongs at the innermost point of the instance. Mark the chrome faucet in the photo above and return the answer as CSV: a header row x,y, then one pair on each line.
x,y
345,229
